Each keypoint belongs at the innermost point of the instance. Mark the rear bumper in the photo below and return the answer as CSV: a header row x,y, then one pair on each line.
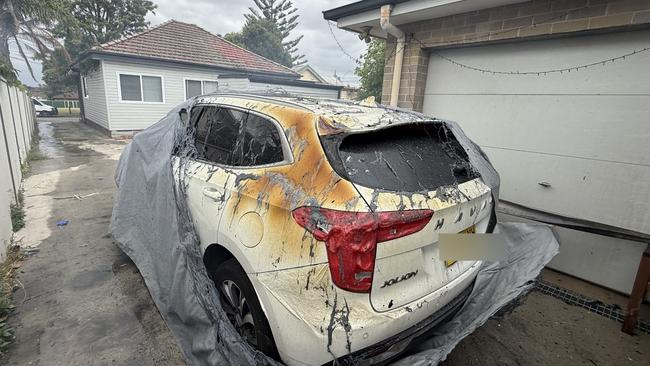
x,y
390,348
314,323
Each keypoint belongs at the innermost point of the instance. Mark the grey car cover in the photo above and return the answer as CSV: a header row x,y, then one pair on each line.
x,y
151,223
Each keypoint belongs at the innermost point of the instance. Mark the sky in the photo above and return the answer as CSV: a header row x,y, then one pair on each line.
x,y
220,17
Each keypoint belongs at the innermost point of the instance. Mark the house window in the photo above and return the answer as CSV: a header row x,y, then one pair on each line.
x,y
199,87
141,88
84,87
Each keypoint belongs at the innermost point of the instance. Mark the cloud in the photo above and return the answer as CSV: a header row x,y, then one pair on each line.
x,y
318,44
220,17
20,65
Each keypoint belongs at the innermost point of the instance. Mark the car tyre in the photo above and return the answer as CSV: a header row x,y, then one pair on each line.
x,y
242,307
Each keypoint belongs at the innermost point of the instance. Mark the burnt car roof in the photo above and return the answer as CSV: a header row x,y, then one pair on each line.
x,y
336,115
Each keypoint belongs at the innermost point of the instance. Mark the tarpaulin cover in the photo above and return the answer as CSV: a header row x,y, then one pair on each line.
x,y
152,224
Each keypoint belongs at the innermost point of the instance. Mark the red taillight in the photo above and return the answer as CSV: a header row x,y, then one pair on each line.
x,y
351,239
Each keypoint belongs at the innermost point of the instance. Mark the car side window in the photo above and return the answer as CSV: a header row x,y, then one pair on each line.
x,y
236,138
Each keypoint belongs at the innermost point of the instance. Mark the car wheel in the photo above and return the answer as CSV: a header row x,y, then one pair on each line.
x,y
242,307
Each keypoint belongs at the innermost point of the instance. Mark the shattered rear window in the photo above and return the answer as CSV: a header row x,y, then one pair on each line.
x,y
414,157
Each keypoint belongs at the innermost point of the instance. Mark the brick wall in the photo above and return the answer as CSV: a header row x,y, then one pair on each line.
x,y
538,18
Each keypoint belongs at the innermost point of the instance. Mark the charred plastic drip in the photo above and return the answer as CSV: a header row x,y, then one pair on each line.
x,y
412,157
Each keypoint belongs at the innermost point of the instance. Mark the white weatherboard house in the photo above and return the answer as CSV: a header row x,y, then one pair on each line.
x,y
133,82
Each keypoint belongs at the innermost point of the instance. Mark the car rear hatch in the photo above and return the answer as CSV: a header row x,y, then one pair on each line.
x,y
411,167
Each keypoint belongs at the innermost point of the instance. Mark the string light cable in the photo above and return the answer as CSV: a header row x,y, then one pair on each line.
x,y
356,60
414,40
536,72
422,44
480,37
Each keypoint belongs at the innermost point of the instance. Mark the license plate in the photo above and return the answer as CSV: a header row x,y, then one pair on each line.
x,y
469,230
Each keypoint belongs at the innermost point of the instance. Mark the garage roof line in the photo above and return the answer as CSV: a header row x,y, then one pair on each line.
x,y
358,7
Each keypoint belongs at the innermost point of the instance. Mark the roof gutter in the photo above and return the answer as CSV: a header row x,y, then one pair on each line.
x,y
357,8
384,22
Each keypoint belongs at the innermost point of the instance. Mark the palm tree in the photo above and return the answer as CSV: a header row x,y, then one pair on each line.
x,y
26,23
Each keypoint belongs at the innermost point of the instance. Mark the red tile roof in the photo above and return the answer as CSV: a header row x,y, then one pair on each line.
x,y
184,42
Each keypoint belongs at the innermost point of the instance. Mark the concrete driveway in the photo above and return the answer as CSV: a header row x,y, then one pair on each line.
x,y
84,302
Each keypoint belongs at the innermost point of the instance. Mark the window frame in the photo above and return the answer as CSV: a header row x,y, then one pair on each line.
x,y
185,80
139,75
287,153
84,87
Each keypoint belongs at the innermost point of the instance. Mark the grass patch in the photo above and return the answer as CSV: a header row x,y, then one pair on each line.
x,y
18,213
7,276
17,217
33,154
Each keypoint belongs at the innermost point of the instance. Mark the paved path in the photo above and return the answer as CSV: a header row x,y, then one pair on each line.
x,y
84,301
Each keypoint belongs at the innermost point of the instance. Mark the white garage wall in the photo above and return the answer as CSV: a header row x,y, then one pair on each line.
x,y
585,132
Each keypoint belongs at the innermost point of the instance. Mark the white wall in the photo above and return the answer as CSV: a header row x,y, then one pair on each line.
x,y
244,85
95,104
17,119
606,261
298,90
129,116
234,85
585,132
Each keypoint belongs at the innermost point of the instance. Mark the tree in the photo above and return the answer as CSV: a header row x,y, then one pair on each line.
x,y
99,22
280,12
94,22
371,70
55,75
262,37
27,23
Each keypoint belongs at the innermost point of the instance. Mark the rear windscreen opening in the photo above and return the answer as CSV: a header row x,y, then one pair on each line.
x,y
411,158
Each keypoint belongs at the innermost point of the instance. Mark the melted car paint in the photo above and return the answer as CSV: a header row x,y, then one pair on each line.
x,y
340,317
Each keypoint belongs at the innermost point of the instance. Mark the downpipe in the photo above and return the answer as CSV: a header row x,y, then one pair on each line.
x,y
384,21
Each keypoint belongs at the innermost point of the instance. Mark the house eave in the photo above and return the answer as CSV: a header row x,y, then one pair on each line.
x,y
364,15
101,54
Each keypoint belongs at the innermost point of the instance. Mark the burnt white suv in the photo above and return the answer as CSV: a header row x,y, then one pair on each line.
x,y
319,222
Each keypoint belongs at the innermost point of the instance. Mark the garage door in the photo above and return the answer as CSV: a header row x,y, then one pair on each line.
x,y
586,133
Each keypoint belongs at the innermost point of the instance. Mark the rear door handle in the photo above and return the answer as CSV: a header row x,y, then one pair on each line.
x,y
213,193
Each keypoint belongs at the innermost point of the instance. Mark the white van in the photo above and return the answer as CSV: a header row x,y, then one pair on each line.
x,y
43,109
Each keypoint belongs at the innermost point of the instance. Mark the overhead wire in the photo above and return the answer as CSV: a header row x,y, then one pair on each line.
x,y
355,59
